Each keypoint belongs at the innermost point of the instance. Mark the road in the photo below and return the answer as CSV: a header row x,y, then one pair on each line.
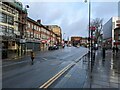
x,y
47,64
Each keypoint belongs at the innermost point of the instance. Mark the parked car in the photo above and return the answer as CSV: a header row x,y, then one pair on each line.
x,y
50,48
55,47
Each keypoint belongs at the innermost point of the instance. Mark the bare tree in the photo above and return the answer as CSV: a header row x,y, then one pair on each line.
x,y
98,23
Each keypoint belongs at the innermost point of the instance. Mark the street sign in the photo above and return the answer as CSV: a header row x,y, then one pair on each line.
x,y
92,28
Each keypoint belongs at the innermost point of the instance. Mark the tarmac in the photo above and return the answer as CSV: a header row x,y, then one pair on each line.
x,y
105,74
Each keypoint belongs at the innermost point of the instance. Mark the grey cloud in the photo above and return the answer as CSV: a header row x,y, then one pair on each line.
x,y
104,10
72,17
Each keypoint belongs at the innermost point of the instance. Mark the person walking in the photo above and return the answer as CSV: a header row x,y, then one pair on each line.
x,y
32,56
113,49
116,49
103,52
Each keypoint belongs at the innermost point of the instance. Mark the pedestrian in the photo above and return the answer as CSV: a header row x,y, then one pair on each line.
x,y
113,49
103,52
116,49
32,56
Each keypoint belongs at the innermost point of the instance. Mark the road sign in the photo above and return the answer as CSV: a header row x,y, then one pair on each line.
x,y
92,28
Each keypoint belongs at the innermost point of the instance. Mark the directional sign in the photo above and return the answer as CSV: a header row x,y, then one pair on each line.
x,y
93,28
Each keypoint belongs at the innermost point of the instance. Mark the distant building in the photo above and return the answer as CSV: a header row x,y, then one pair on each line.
x,y
57,30
76,40
84,41
110,36
39,37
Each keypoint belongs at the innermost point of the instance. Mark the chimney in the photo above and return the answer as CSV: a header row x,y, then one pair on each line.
x,y
39,21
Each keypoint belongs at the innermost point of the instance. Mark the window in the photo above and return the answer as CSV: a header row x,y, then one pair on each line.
x,y
4,7
13,11
28,25
10,30
119,37
39,29
28,34
34,27
3,29
10,10
4,18
13,43
10,20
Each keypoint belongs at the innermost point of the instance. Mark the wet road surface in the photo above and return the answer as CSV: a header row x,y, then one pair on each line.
x,y
24,75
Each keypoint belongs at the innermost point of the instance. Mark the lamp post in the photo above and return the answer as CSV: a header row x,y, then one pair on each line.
x,y
63,36
26,7
90,39
89,28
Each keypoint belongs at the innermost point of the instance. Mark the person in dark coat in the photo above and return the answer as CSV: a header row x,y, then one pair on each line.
x,y
113,49
117,49
32,56
103,50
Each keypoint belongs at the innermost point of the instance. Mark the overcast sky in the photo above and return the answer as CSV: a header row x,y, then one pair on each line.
x,y
72,17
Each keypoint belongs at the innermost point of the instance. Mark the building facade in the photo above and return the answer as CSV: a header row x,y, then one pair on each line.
x,y
76,40
84,42
109,32
57,30
9,26
21,34
38,37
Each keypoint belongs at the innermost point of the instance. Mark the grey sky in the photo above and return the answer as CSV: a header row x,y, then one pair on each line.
x,y
72,17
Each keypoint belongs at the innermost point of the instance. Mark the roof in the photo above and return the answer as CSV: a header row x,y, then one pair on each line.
x,y
35,22
16,4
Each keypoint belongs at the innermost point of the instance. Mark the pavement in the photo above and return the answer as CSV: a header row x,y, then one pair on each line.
x,y
105,74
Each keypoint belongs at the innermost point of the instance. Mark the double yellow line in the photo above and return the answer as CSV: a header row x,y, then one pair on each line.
x,y
53,79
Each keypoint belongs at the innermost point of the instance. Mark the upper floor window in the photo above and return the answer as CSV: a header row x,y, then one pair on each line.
x,y
28,25
35,27
4,18
4,7
10,20
10,10
3,29
11,30
40,29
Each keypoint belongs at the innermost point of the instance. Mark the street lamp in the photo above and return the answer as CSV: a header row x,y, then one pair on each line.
x,y
89,27
90,32
63,36
26,7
